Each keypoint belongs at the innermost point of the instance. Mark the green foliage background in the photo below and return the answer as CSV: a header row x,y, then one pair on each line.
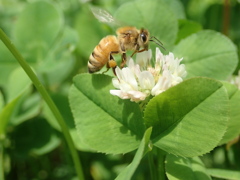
x,y
56,38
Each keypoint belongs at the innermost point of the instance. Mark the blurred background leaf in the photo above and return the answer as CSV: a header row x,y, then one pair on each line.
x,y
208,53
34,136
36,29
142,14
8,64
18,83
28,107
5,116
186,28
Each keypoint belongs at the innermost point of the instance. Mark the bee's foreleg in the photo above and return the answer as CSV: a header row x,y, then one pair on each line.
x,y
134,53
124,60
138,51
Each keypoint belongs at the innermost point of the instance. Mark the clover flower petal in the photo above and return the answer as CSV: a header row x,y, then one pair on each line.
x,y
146,80
140,80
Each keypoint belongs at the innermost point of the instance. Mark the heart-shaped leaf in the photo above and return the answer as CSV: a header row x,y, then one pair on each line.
x,y
104,122
190,118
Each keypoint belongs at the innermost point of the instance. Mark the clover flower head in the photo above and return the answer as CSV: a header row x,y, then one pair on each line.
x,y
140,80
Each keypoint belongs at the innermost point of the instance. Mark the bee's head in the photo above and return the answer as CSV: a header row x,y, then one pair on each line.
x,y
143,38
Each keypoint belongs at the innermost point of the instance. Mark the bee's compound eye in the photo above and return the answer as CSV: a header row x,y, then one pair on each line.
x,y
143,37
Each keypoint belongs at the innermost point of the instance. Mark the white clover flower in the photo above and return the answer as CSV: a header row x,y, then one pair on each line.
x,y
140,80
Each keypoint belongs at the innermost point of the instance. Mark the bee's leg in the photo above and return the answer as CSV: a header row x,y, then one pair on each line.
x,y
124,60
111,63
142,50
114,70
134,53
138,51
124,56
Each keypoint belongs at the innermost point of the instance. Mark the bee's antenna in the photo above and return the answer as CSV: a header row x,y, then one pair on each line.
x,y
158,42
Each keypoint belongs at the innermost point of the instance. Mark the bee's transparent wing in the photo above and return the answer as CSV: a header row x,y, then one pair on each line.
x,y
104,16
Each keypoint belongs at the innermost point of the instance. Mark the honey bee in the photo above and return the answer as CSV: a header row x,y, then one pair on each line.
x,y
128,38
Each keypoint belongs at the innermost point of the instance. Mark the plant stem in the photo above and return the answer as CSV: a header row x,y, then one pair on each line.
x,y
152,166
1,161
48,100
161,164
226,15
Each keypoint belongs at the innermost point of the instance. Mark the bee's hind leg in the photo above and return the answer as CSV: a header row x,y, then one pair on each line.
x,y
111,64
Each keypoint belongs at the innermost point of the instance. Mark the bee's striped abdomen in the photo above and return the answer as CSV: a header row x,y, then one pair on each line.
x,y
94,64
101,53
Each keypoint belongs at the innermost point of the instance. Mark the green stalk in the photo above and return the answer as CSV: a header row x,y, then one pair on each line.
x,y
226,17
1,161
152,166
161,164
48,100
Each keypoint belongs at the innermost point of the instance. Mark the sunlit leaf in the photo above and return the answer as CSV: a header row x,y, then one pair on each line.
x,y
189,119
142,149
208,53
185,168
104,122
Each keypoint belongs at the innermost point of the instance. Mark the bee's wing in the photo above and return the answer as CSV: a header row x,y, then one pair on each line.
x,y
104,16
